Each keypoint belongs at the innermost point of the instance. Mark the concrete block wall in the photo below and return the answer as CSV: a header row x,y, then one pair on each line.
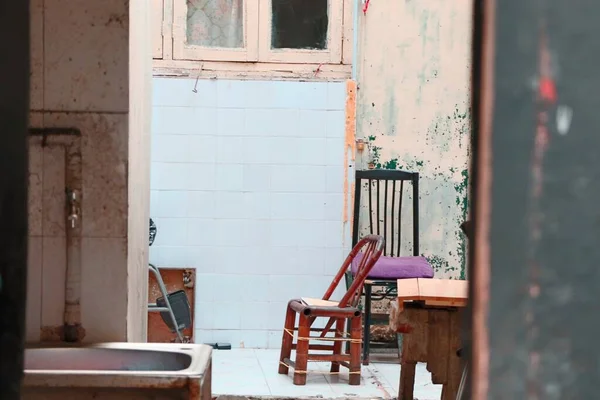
x,y
247,188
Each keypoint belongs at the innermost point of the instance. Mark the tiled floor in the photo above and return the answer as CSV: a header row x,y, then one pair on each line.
x,y
254,373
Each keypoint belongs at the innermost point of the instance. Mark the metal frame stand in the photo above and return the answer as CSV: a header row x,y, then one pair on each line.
x,y
153,307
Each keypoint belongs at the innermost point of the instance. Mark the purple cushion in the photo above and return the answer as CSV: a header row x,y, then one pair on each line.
x,y
396,267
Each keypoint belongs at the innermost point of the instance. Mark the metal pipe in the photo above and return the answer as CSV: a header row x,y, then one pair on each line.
x,y
70,138
152,307
72,317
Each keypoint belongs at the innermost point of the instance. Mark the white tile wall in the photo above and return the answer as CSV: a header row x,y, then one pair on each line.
x,y
247,187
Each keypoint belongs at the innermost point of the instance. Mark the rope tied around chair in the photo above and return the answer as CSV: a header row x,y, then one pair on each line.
x,y
344,338
308,371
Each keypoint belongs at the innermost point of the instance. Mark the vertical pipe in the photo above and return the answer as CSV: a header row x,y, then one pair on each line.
x,y
72,317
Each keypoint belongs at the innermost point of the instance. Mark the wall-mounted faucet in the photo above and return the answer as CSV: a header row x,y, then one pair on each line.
x,y
73,204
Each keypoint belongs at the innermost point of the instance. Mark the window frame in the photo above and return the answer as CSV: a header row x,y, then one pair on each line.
x,y
184,51
157,17
331,55
215,63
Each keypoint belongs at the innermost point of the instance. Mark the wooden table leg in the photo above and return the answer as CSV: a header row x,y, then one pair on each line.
x,y
455,364
407,381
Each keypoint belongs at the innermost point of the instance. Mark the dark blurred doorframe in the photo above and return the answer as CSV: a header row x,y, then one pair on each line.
x,y
476,348
536,255
14,114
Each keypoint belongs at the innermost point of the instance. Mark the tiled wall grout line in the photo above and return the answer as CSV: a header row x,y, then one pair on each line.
x,y
246,187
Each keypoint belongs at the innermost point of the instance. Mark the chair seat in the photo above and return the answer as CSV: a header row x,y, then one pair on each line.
x,y
309,301
396,267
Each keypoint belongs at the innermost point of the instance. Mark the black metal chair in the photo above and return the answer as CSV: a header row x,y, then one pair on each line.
x,y
380,213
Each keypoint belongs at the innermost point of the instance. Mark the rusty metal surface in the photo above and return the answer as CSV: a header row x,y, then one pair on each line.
x,y
544,215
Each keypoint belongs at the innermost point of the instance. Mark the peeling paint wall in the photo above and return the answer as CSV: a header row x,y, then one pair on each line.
x,y
413,111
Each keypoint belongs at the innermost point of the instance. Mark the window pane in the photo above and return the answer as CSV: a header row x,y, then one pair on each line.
x,y
215,23
299,24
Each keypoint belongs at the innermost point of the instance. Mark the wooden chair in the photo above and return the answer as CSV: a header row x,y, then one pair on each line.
x,y
370,249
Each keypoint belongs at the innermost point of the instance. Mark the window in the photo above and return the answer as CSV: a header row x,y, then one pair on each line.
x,y
215,30
303,35
301,31
299,24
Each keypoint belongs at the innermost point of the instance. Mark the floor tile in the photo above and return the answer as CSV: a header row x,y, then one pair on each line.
x,y
254,372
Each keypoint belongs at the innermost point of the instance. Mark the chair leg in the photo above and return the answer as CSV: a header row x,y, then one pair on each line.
x,y
337,346
367,333
302,351
355,345
347,344
287,340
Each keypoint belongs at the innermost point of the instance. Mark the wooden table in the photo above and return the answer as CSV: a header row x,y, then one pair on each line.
x,y
428,314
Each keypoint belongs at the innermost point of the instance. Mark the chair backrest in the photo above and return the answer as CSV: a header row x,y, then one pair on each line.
x,y
370,247
378,197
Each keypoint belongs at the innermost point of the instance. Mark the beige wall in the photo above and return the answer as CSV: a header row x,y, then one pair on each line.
x,y
79,79
413,108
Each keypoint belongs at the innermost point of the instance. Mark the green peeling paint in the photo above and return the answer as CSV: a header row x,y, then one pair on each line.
x,y
461,188
375,152
460,116
463,119
392,164
446,129
440,264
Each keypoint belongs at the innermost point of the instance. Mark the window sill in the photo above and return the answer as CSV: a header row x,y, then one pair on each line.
x,y
250,70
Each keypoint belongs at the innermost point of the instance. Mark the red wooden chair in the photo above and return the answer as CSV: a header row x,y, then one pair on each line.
x,y
338,312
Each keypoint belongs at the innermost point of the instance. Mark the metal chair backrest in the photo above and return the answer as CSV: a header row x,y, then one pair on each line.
x,y
384,193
